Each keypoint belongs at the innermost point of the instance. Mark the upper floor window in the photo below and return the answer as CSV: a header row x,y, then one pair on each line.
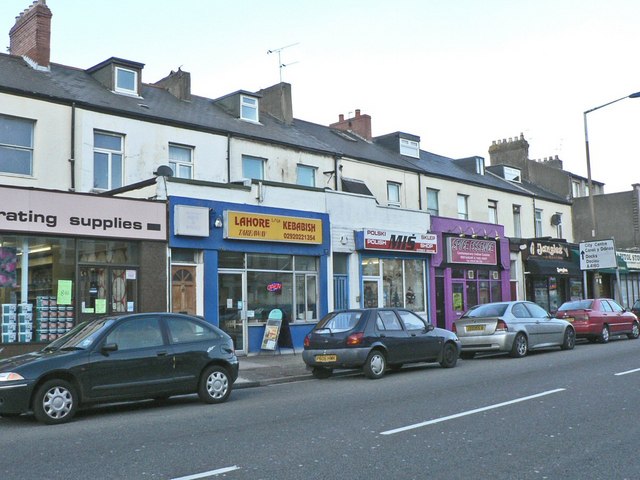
x,y
575,188
517,222
432,202
108,157
409,148
463,207
556,221
538,225
248,108
253,167
126,81
181,160
16,145
512,174
393,194
306,176
493,211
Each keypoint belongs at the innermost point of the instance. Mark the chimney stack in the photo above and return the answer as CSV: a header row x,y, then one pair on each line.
x,y
177,84
360,125
30,37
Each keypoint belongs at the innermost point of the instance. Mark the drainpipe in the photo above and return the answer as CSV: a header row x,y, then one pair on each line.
x,y
72,160
228,158
419,191
335,171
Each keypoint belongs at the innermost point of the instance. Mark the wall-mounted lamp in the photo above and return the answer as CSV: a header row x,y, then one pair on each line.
x,y
218,222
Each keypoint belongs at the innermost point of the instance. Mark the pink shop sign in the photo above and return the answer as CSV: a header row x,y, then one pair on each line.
x,y
468,250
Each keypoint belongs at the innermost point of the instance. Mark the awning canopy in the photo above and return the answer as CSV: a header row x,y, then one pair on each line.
x,y
537,266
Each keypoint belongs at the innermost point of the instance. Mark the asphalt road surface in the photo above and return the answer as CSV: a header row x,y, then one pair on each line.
x,y
551,415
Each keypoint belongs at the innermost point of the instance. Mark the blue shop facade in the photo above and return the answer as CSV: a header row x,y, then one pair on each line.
x,y
235,264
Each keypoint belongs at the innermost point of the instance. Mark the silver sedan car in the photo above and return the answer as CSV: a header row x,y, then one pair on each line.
x,y
513,327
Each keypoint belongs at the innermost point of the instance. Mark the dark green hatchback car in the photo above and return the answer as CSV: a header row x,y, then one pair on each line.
x,y
126,357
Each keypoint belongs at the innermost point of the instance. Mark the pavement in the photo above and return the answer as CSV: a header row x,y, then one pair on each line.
x,y
273,367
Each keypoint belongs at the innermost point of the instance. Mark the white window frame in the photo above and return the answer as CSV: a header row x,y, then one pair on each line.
x,y
538,222
513,174
517,222
251,158
128,91
433,209
410,148
5,146
463,207
308,169
393,190
493,211
110,159
179,166
251,105
559,226
575,188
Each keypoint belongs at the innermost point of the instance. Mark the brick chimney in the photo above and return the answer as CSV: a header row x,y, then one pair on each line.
x,y
360,125
30,37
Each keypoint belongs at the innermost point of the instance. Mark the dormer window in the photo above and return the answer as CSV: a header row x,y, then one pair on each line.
x,y
248,108
409,148
126,81
512,174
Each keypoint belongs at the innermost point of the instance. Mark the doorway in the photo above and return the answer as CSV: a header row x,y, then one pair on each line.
x,y
371,293
183,289
232,308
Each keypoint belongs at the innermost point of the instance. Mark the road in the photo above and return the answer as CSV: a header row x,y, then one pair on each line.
x,y
551,415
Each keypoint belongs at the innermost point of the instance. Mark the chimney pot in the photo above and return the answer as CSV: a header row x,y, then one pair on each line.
x,y
357,112
341,117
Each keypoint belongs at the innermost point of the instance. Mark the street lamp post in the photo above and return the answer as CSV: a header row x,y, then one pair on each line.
x,y
592,207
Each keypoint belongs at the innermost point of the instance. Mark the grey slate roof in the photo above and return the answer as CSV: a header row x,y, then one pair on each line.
x,y
64,84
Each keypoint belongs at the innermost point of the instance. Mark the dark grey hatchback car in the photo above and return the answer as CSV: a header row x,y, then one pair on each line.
x,y
374,339
126,357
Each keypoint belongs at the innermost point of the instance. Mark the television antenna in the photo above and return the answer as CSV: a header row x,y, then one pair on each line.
x,y
279,52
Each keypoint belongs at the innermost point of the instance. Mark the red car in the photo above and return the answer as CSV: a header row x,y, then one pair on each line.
x,y
598,319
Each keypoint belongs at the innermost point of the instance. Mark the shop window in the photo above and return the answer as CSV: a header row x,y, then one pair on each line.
x,y
265,261
231,260
403,283
107,251
370,267
267,291
392,283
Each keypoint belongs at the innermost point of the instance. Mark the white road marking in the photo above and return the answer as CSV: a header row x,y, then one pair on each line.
x,y
470,412
628,371
210,473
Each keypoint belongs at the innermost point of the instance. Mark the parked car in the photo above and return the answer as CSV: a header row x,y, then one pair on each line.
x,y
598,319
635,309
374,339
126,357
514,327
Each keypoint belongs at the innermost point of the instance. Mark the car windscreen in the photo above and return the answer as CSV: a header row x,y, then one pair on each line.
x,y
487,310
81,336
577,305
339,321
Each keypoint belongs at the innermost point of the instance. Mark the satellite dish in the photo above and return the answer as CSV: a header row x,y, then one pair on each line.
x,y
556,219
164,171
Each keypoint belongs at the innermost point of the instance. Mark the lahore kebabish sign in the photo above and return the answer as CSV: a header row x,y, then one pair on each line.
x,y
272,228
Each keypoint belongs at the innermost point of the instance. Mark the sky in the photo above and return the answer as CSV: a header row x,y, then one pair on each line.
x,y
460,74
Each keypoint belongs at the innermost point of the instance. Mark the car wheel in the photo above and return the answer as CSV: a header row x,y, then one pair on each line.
x,y
55,402
467,355
569,339
520,346
321,372
635,331
215,386
604,335
375,365
449,355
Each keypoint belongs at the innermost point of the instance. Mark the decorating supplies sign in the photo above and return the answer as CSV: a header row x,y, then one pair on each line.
x,y
272,228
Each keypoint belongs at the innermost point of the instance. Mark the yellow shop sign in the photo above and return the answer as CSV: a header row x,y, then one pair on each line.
x,y
271,228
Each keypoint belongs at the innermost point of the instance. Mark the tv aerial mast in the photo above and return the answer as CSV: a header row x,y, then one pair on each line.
x,y
279,52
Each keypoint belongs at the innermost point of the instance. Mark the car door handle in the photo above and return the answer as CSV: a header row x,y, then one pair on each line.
x,y
161,353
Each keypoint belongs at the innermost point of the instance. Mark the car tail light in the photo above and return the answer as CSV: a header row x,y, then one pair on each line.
x,y
501,326
307,341
454,329
582,317
355,338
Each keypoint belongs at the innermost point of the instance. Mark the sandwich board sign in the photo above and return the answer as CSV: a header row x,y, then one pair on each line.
x,y
598,254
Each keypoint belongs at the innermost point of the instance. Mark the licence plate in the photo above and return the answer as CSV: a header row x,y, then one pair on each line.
x,y
474,328
326,358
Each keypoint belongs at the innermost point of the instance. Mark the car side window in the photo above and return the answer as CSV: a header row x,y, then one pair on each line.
x,y
390,320
412,321
605,307
614,306
520,311
184,330
536,311
137,333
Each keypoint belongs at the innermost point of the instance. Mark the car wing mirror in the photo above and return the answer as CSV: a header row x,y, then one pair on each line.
x,y
109,347
430,328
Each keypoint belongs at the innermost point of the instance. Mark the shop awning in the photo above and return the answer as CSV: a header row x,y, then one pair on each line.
x,y
536,266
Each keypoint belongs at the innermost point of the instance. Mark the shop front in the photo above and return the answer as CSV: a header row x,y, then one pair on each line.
x,y
255,261
394,268
66,258
552,273
629,273
472,268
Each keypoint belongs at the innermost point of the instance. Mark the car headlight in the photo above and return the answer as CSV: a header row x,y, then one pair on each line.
x,y
10,377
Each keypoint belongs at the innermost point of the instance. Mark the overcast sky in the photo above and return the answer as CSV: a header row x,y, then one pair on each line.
x,y
458,73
